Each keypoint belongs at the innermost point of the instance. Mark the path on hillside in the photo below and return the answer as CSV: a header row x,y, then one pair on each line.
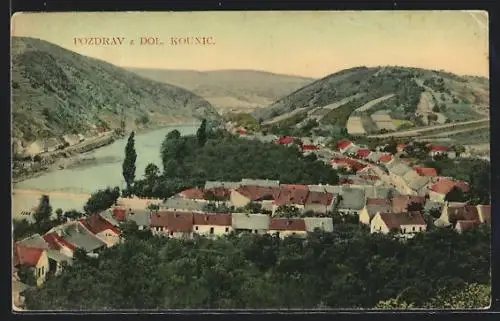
x,y
417,132
450,133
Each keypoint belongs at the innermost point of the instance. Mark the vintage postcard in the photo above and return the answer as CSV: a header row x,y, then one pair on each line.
x,y
250,160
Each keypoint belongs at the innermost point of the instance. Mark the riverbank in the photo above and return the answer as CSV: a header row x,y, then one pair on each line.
x,y
77,157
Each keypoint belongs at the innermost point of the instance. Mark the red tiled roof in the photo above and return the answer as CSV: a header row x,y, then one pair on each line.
x,y
385,158
193,193
378,201
173,221
425,171
466,225
96,224
242,131
438,148
401,202
343,144
285,224
28,256
285,140
212,219
322,198
463,213
363,153
220,193
486,210
444,186
309,147
258,193
55,241
339,160
354,164
120,214
292,194
395,220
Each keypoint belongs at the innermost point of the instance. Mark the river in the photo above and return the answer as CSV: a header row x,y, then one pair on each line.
x,y
69,188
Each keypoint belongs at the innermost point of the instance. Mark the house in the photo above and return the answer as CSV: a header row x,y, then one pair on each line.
x,y
426,171
352,201
59,255
101,228
343,145
385,159
484,212
333,189
172,224
400,202
251,223
378,191
141,217
372,207
442,187
35,148
33,258
285,140
250,193
400,148
307,149
293,195
319,202
57,243
193,193
324,224
242,132
463,225
436,150
214,184
363,153
405,224
339,162
212,224
349,163
452,213
352,150
76,234
284,227
259,182
406,179
183,205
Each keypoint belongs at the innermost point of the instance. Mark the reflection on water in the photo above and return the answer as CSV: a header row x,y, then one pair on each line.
x,y
104,168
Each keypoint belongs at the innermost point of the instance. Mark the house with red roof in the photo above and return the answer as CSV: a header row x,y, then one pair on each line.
x,y
385,159
307,149
242,132
264,195
406,225
284,227
441,188
435,150
363,153
319,202
285,140
172,224
348,163
35,259
426,171
57,243
463,225
344,145
193,193
453,213
212,224
103,229
484,212
291,195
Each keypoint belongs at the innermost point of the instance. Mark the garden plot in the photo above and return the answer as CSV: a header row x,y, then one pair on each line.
x,y
355,126
383,121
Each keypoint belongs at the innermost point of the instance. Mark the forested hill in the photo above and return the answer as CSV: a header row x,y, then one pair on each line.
x,y
56,91
405,93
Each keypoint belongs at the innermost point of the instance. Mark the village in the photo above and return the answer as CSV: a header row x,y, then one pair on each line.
x,y
377,189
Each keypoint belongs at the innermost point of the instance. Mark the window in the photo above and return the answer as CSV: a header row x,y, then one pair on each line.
x,y
211,230
420,228
43,272
196,228
413,229
255,231
171,233
227,229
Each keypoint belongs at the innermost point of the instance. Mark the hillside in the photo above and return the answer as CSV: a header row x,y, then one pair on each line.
x,y
57,91
230,90
399,97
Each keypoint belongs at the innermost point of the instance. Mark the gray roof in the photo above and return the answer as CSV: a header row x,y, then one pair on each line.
x,y
334,189
400,169
108,216
377,192
35,241
183,204
375,156
323,223
214,184
79,236
260,182
352,198
352,149
140,217
418,183
245,221
58,256
375,208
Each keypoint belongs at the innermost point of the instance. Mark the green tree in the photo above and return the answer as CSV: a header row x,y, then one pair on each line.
x,y
43,213
471,296
102,200
201,134
129,162
287,211
456,195
151,172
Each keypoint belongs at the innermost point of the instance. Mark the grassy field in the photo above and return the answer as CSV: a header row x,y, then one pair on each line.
x,y
461,112
480,136
400,122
